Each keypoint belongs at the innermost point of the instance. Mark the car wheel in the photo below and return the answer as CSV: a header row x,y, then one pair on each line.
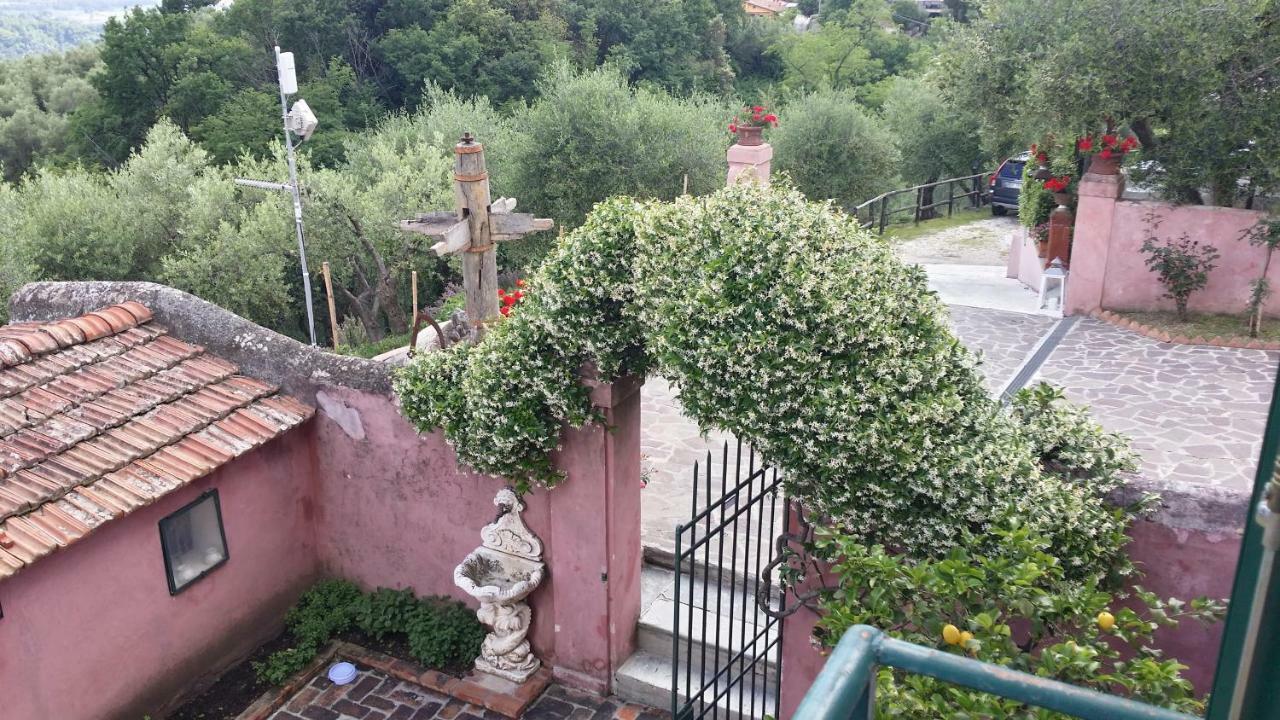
x,y
998,210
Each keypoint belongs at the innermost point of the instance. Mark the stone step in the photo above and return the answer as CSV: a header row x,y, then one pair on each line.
x,y
646,678
734,623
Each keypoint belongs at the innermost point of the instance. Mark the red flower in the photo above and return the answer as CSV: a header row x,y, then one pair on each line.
x,y
771,118
1085,144
519,295
1105,154
509,299
733,128
755,117
520,283
1128,144
1042,158
505,310
1109,140
757,108
501,292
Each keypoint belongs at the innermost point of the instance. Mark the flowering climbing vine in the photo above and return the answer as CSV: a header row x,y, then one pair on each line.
x,y
780,321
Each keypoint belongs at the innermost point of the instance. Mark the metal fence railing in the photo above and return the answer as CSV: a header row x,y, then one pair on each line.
x,y
921,200
845,689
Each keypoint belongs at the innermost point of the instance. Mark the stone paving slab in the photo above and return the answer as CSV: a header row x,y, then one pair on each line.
x,y
374,695
1195,413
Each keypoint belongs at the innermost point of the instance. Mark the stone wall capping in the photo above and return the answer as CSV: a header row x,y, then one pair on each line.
x,y
299,369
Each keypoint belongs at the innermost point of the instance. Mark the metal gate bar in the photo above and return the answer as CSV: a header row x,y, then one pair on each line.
x,y
726,672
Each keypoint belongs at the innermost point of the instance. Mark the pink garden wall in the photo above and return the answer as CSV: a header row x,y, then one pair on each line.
x,y
1108,268
92,632
396,510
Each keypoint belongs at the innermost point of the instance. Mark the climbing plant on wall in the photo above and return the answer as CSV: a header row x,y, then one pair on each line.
x,y
782,322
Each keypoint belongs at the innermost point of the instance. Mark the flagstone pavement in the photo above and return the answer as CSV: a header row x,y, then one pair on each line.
x,y
1196,414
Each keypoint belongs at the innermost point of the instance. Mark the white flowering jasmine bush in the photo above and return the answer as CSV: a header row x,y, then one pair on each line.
x,y
781,321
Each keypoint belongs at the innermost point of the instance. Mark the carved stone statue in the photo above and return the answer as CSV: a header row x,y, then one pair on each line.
x,y
501,573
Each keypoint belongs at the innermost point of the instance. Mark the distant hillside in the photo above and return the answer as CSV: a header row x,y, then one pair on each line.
x,y
30,27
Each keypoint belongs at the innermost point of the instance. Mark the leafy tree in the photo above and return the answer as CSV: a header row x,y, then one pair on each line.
x,y
22,35
935,139
678,44
1193,79
476,47
37,96
590,136
833,149
852,49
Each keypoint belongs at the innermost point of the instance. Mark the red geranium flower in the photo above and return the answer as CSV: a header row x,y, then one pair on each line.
x,y
1085,143
757,108
1105,154
1109,140
520,283
1128,144
733,128
1042,158
505,310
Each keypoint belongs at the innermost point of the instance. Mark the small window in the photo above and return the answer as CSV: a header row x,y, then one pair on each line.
x,y
193,542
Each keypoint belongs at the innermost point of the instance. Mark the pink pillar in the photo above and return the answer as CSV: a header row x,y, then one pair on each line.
x,y
1095,213
594,543
750,161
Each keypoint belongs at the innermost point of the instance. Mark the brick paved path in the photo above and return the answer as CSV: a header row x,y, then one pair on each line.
x,y
375,696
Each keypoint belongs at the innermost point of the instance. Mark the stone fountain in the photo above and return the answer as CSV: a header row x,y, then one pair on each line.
x,y
501,573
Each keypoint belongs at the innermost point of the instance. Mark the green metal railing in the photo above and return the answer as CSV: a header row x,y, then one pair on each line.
x,y
845,690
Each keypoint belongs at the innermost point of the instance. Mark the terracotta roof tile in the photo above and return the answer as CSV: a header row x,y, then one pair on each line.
x,y
105,413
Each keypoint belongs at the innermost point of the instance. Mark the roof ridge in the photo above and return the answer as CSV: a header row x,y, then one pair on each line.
x,y
23,342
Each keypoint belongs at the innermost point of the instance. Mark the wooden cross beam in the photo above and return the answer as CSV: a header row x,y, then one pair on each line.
x,y
473,229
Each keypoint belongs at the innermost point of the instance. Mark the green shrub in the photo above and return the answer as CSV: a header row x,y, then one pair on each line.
x,y
1020,611
440,632
591,136
443,633
1034,202
833,150
384,611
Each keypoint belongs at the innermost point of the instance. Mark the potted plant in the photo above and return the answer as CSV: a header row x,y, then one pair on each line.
x,y
1106,151
1060,186
750,132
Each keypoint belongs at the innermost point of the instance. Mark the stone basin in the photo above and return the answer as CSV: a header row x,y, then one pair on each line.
x,y
491,576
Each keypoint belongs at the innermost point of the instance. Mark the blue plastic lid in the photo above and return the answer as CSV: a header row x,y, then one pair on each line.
x,y
342,673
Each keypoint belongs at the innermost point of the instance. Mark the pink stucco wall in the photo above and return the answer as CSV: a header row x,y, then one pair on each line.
x,y
1177,563
1109,270
396,510
92,632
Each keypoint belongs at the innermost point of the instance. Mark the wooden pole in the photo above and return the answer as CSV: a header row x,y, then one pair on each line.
x,y
413,285
333,311
480,261
686,185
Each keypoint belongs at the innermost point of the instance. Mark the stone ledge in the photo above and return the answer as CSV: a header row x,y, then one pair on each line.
x,y
493,693
299,369
1163,336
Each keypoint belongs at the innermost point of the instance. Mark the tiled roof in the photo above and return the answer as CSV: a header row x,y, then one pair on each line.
x,y
105,413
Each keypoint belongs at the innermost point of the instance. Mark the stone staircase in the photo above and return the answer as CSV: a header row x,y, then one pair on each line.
x,y
646,677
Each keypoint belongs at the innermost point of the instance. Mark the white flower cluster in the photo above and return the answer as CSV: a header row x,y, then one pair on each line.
x,y
780,321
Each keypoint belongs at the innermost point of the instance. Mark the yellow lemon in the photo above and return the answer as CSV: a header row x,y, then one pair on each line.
x,y
965,637
1106,620
951,634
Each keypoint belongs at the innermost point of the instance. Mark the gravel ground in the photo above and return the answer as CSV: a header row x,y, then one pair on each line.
x,y
984,242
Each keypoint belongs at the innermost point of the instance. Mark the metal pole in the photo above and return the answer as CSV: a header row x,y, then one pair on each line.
x,y
297,206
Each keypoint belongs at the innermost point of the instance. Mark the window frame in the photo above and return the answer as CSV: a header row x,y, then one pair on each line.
x,y
164,543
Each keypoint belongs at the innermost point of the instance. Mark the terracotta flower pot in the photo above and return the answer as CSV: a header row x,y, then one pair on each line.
x,y
1042,248
750,136
1105,166
1063,199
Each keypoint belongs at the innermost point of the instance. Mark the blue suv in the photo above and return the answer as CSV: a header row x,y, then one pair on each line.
x,y
1006,184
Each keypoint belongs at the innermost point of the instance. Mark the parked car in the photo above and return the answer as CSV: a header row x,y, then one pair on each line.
x,y
1006,184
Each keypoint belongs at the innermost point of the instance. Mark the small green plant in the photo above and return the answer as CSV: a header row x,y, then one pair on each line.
x,y
1034,202
1013,606
440,632
1183,265
1265,234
